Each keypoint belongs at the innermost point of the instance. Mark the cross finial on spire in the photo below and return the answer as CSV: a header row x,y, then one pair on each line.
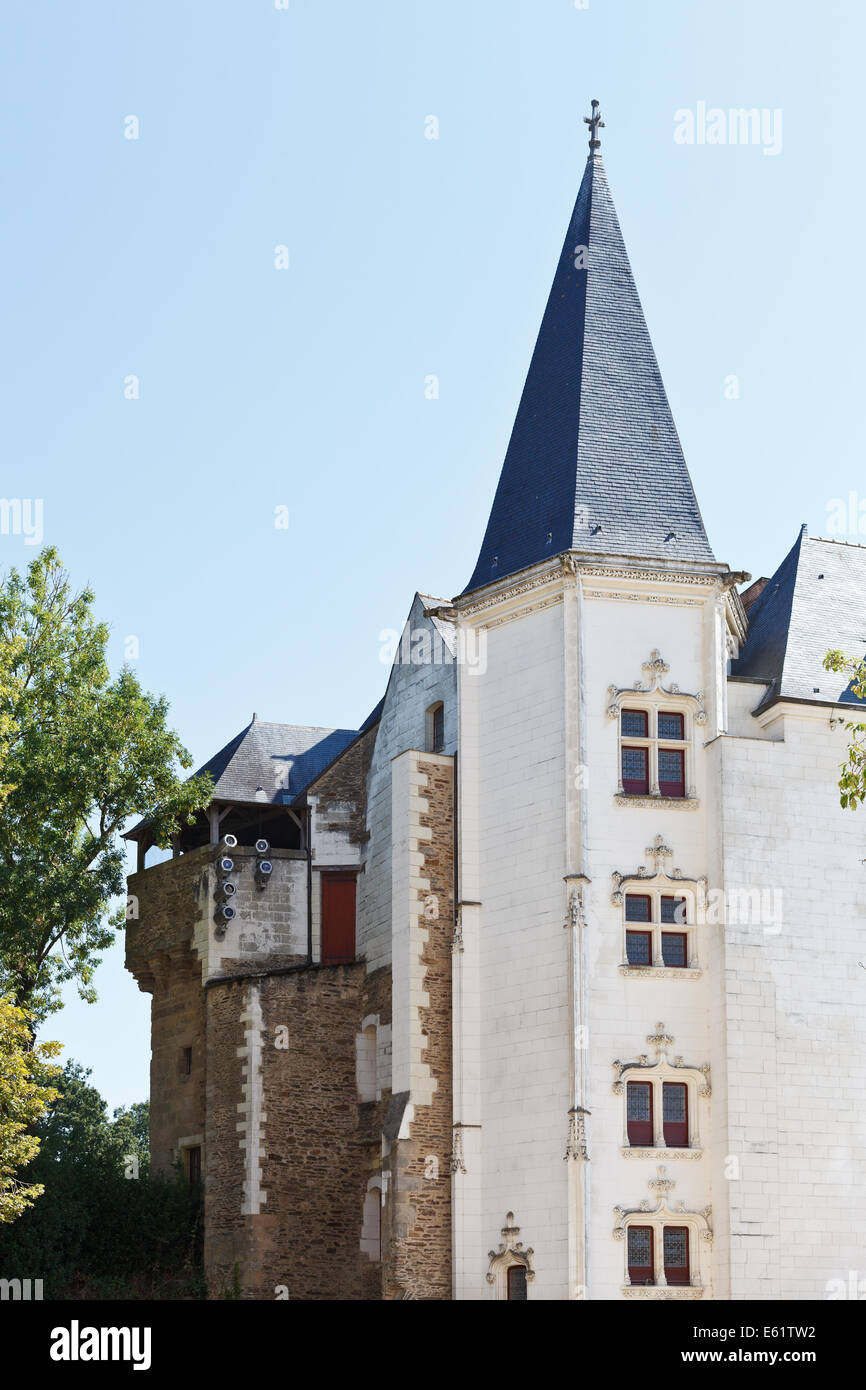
x,y
595,124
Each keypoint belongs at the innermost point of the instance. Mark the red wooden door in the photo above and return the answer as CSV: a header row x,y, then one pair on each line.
x,y
675,1114
639,1114
338,918
640,1255
676,1247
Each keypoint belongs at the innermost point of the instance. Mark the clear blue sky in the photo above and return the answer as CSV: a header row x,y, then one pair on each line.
x,y
408,257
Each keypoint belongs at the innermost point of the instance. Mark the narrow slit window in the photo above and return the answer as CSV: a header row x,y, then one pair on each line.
x,y
193,1166
517,1284
438,737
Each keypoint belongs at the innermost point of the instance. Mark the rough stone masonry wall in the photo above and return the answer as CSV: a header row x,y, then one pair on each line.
x,y
418,1229
309,1146
159,954
340,792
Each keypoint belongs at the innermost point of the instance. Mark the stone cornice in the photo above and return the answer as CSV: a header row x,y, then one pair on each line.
x,y
571,565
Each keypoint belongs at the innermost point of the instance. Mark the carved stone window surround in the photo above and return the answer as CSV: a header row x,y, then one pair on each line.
x,y
696,1078
511,1252
661,884
664,1213
651,697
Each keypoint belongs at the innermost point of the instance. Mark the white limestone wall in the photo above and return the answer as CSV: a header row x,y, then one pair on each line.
x,y
619,634
795,1001
515,783
523,976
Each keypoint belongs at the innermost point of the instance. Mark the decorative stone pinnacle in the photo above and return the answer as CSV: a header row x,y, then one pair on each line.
x,y
660,1040
595,124
658,850
662,1183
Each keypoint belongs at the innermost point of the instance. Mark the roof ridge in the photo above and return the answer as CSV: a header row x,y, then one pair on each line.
x,y
835,540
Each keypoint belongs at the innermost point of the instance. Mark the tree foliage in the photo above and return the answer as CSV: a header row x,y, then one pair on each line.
x,y
80,754
24,1099
852,779
98,1231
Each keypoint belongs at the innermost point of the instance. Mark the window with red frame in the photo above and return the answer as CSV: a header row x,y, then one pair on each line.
x,y
638,944
672,774
670,725
676,1254
639,1114
673,910
516,1283
639,947
634,723
635,771
675,1114
640,1255
675,949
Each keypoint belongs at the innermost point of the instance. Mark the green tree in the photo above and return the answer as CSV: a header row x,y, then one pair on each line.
x,y
81,754
852,779
24,1099
131,1126
100,1231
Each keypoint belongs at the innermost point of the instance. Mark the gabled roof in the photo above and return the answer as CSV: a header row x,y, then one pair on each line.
x,y
273,762
815,601
269,763
594,462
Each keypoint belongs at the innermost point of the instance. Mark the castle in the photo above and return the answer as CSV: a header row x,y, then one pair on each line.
x,y
544,982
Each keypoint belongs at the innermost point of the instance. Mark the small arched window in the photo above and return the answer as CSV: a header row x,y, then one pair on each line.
x,y
436,728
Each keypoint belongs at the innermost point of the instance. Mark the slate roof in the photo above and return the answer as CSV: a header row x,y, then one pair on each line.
x,y
447,631
270,763
273,762
816,600
594,462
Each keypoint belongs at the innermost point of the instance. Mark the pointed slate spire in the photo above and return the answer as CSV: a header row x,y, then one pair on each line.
x,y
594,463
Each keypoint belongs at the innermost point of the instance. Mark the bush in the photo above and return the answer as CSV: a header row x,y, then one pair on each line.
x,y
96,1233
